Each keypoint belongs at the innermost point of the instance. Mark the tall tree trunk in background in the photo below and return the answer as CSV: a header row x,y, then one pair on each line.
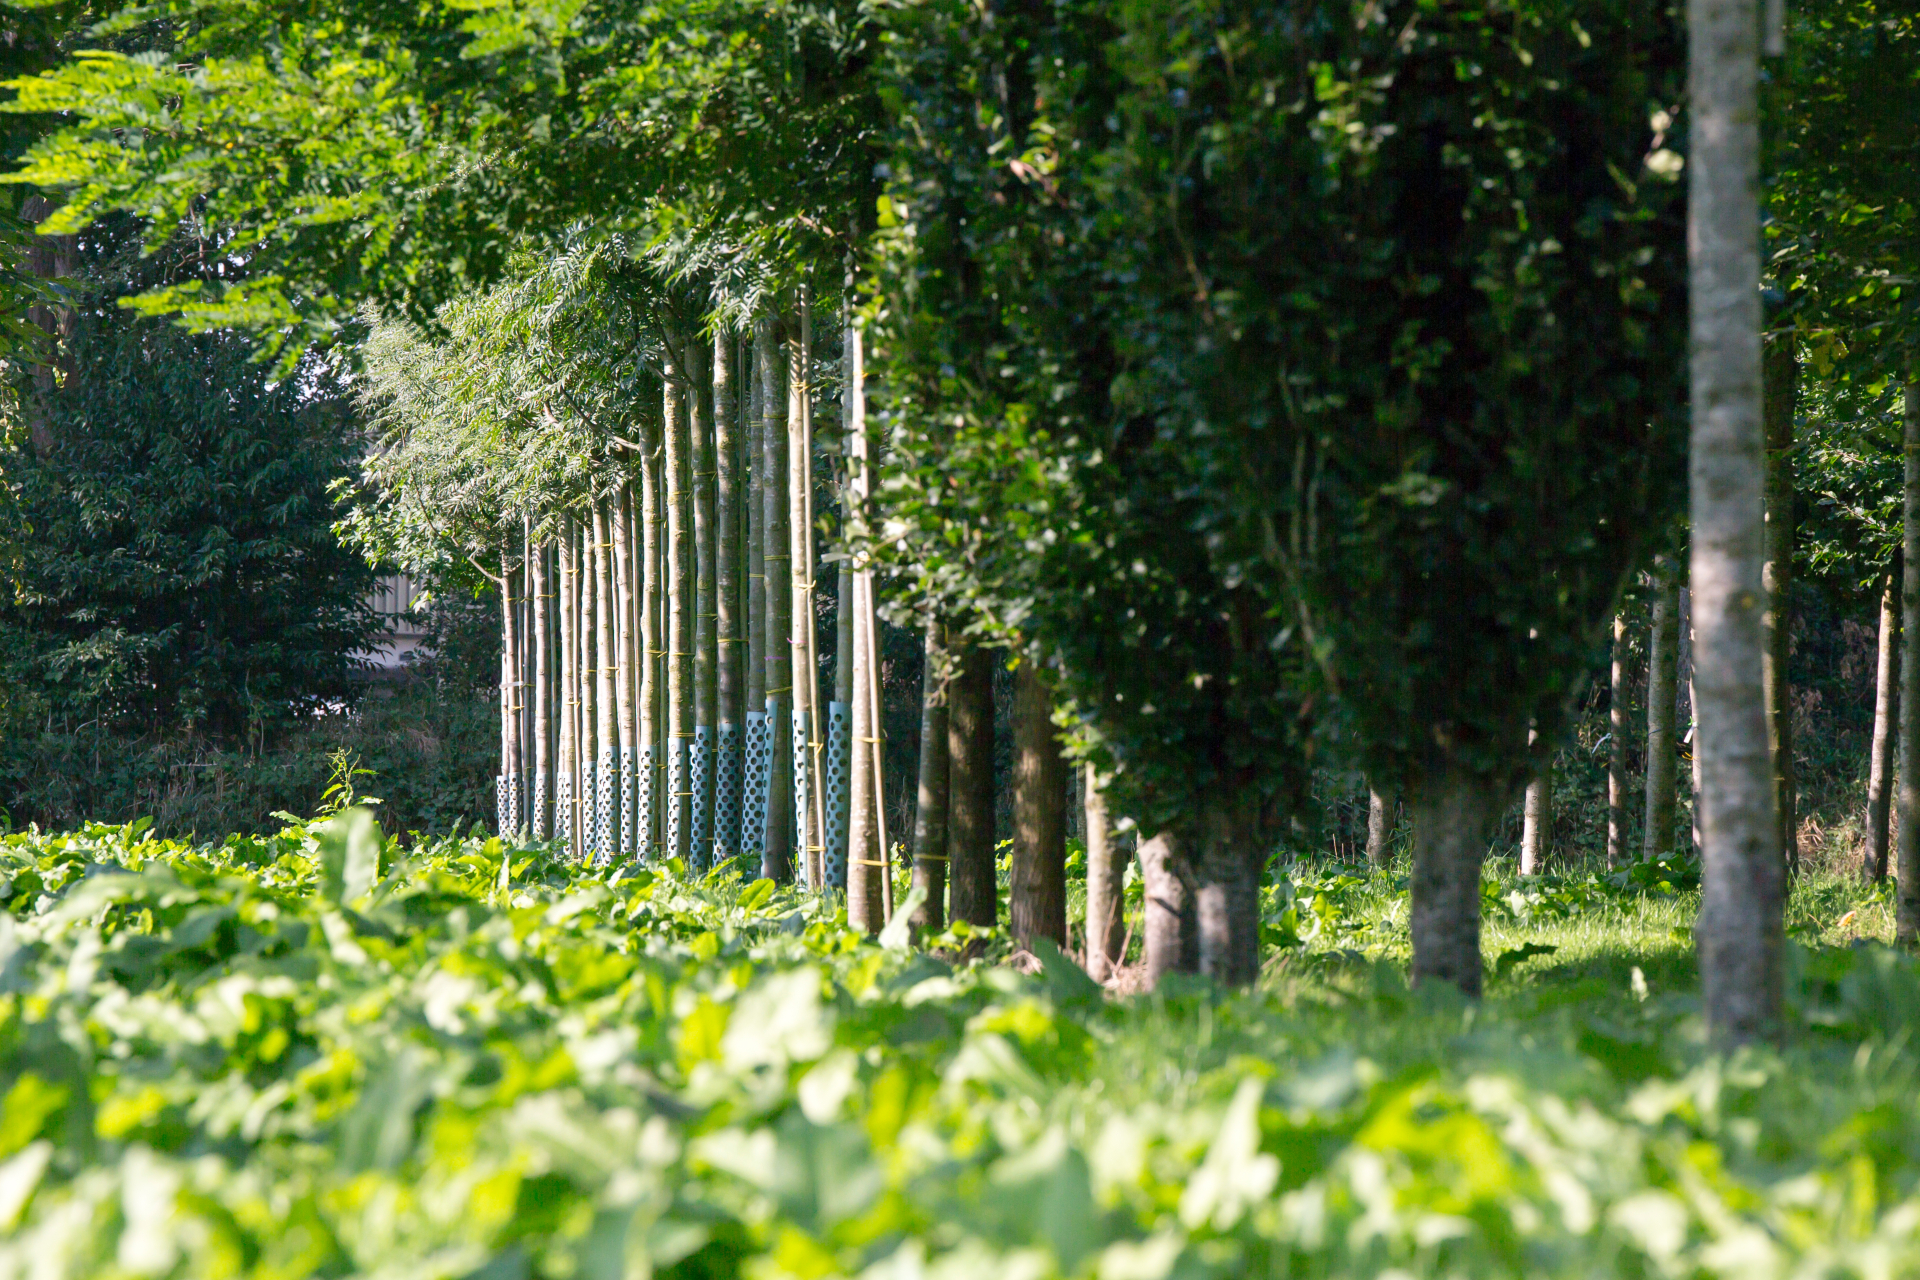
x,y
1106,884
1536,821
679,547
1739,930
653,643
606,733
706,613
1379,827
1453,811
839,777
1781,376
589,742
1907,914
930,811
1171,924
566,782
753,823
1037,896
729,606
770,357
1663,692
1227,901
625,723
1880,769
867,871
808,840
506,782
1617,746
974,894
542,697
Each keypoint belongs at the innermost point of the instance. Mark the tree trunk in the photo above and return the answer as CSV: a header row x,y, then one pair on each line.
x,y
1781,377
1663,653
1227,906
505,783
1880,768
930,813
1739,930
840,726
680,609
606,816
567,746
1379,827
729,567
808,842
1037,895
1907,913
1536,821
706,688
653,644
1453,809
770,358
753,823
1171,923
1617,746
542,699
625,723
973,896
1106,885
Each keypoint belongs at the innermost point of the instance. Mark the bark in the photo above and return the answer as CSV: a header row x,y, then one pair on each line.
x,y
973,895
625,724
1106,886
542,698
807,840
1453,808
1907,911
769,350
1739,930
1781,377
1536,822
652,647
1880,768
1379,827
1227,905
1663,652
607,793
1617,746
1037,895
730,690
509,710
680,609
866,895
930,811
706,687
566,782
753,829
1171,922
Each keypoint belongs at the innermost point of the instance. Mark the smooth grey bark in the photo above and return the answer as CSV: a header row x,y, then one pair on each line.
x,y
973,895
930,808
626,721
1037,893
1379,827
1536,821
1227,901
1171,923
606,720
567,742
509,688
866,895
1886,700
808,839
1106,884
706,612
1780,375
678,474
1739,931
754,515
1907,911
1453,810
730,690
653,644
542,697
1617,718
770,360
1663,691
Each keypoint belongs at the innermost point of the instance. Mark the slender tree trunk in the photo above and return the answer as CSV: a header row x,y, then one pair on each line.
x,y
1037,896
606,797
1739,931
679,550
623,691
769,348
1536,821
808,842
866,842
1379,827
1171,923
1907,913
729,610
542,698
589,741
652,804
1617,746
840,723
1663,653
973,895
1880,768
1781,377
1453,809
706,614
753,826
1106,885
566,829
930,813
1227,904
505,782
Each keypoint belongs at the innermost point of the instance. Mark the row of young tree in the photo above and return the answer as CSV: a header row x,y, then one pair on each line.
x,y
1281,382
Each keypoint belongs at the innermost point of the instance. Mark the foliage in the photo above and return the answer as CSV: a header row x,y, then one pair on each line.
x,y
317,1053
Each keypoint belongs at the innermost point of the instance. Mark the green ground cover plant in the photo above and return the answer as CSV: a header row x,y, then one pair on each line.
x,y
319,1053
